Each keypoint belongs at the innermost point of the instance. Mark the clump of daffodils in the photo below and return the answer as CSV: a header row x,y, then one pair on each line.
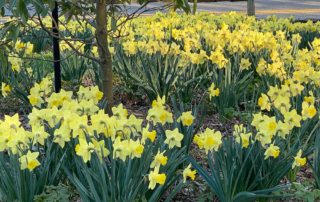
x,y
68,118
278,118
288,117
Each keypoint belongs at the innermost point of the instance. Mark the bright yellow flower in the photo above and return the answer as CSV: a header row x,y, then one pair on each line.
x,y
292,118
12,122
283,129
90,93
213,92
282,103
5,89
267,125
264,102
39,135
309,99
97,94
295,88
146,134
19,46
121,149
19,141
273,93
156,178
16,63
57,99
218,58
174,138
159,102
186,118
136,149
242,136
52,116
272,151
209,140
100,148
29,48
29,161
298,161
135,123
257,120
187,172
120,112
62,135
244,64
84,149
35,100
262,67
158,113
79,125
308,110
296,38
87,107
99,121
159,159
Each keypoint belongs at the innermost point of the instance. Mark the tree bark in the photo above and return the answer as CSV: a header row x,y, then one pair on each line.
x,y
104,53
251,8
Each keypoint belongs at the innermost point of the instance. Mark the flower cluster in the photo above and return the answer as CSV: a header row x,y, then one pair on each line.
x,y
68,118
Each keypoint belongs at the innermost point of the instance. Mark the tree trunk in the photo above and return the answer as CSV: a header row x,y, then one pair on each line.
x,y
251,8
104,53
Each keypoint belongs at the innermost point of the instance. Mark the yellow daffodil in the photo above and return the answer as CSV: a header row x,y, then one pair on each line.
x,y
158,112
186,118
298,160
264,102
100,148
283,129
292,118
159,159
173,138
209,140
29,161
245,64
213,92
308,110
121,149
272,151
156,178
5,89
187,172
16,63
84,149
120,112
62,135
39,135
146,134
